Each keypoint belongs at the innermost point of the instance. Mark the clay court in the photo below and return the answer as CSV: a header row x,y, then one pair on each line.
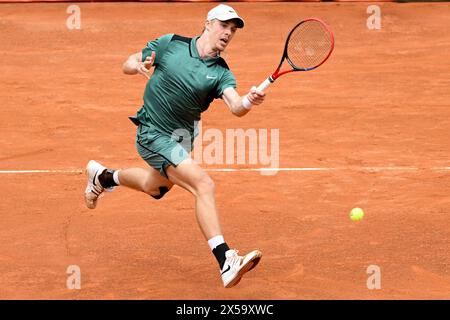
x,y
375,118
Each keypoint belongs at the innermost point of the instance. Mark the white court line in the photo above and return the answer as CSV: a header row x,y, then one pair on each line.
x,y
40,171
270,169
369,169
441,169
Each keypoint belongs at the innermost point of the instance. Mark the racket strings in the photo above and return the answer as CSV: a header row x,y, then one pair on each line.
x,y
309,45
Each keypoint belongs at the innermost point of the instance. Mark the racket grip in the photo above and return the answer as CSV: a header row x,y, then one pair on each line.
x,y
263,86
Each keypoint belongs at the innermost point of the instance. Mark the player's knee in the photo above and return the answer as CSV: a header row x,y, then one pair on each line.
x,y
205,185
149,186
162,191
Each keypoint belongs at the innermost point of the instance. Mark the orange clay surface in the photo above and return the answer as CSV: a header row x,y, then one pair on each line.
x,y
382,100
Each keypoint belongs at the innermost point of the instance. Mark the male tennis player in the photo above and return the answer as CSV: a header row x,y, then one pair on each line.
x,y
188,75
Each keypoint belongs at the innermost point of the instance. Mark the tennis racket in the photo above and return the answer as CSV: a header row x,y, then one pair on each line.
x,y
308,46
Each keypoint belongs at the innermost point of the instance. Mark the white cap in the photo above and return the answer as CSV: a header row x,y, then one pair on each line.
x,y
223,13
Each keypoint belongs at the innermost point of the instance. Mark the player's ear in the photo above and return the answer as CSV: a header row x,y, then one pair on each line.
x,y
208,24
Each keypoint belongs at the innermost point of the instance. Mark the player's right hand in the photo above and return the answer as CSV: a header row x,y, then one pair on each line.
x,y
144,67
256,96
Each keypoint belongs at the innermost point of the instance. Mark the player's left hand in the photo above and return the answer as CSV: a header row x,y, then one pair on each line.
x,y
144,67
256,96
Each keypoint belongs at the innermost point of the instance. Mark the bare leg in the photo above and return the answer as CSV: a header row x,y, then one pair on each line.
x,y
190,176
146,180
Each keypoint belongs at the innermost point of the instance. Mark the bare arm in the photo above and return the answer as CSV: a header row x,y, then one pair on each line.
x,y
134,64
234,100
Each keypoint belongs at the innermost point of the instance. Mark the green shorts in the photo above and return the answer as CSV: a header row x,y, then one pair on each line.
x,y
160,150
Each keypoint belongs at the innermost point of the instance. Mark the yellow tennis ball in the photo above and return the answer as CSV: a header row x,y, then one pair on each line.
x,y
356,214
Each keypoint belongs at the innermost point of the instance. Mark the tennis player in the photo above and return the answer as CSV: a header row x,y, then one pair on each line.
x,y
189,74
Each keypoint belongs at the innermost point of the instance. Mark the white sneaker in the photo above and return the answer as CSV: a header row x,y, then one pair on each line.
x,y
236,266
94,189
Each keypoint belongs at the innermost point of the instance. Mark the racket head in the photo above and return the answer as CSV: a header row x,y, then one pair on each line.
x,y
308,45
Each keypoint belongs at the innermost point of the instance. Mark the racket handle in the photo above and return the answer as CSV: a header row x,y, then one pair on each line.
x,y
262,87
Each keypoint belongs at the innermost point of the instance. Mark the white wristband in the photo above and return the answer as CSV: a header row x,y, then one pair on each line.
x,y
246,103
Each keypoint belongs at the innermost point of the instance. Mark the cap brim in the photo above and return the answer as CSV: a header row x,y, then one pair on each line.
x,y
226,17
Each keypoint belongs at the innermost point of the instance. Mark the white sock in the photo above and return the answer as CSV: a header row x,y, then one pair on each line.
x,y
116,177
215,241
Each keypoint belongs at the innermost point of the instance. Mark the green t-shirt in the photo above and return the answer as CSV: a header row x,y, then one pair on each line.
x,y
182,86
